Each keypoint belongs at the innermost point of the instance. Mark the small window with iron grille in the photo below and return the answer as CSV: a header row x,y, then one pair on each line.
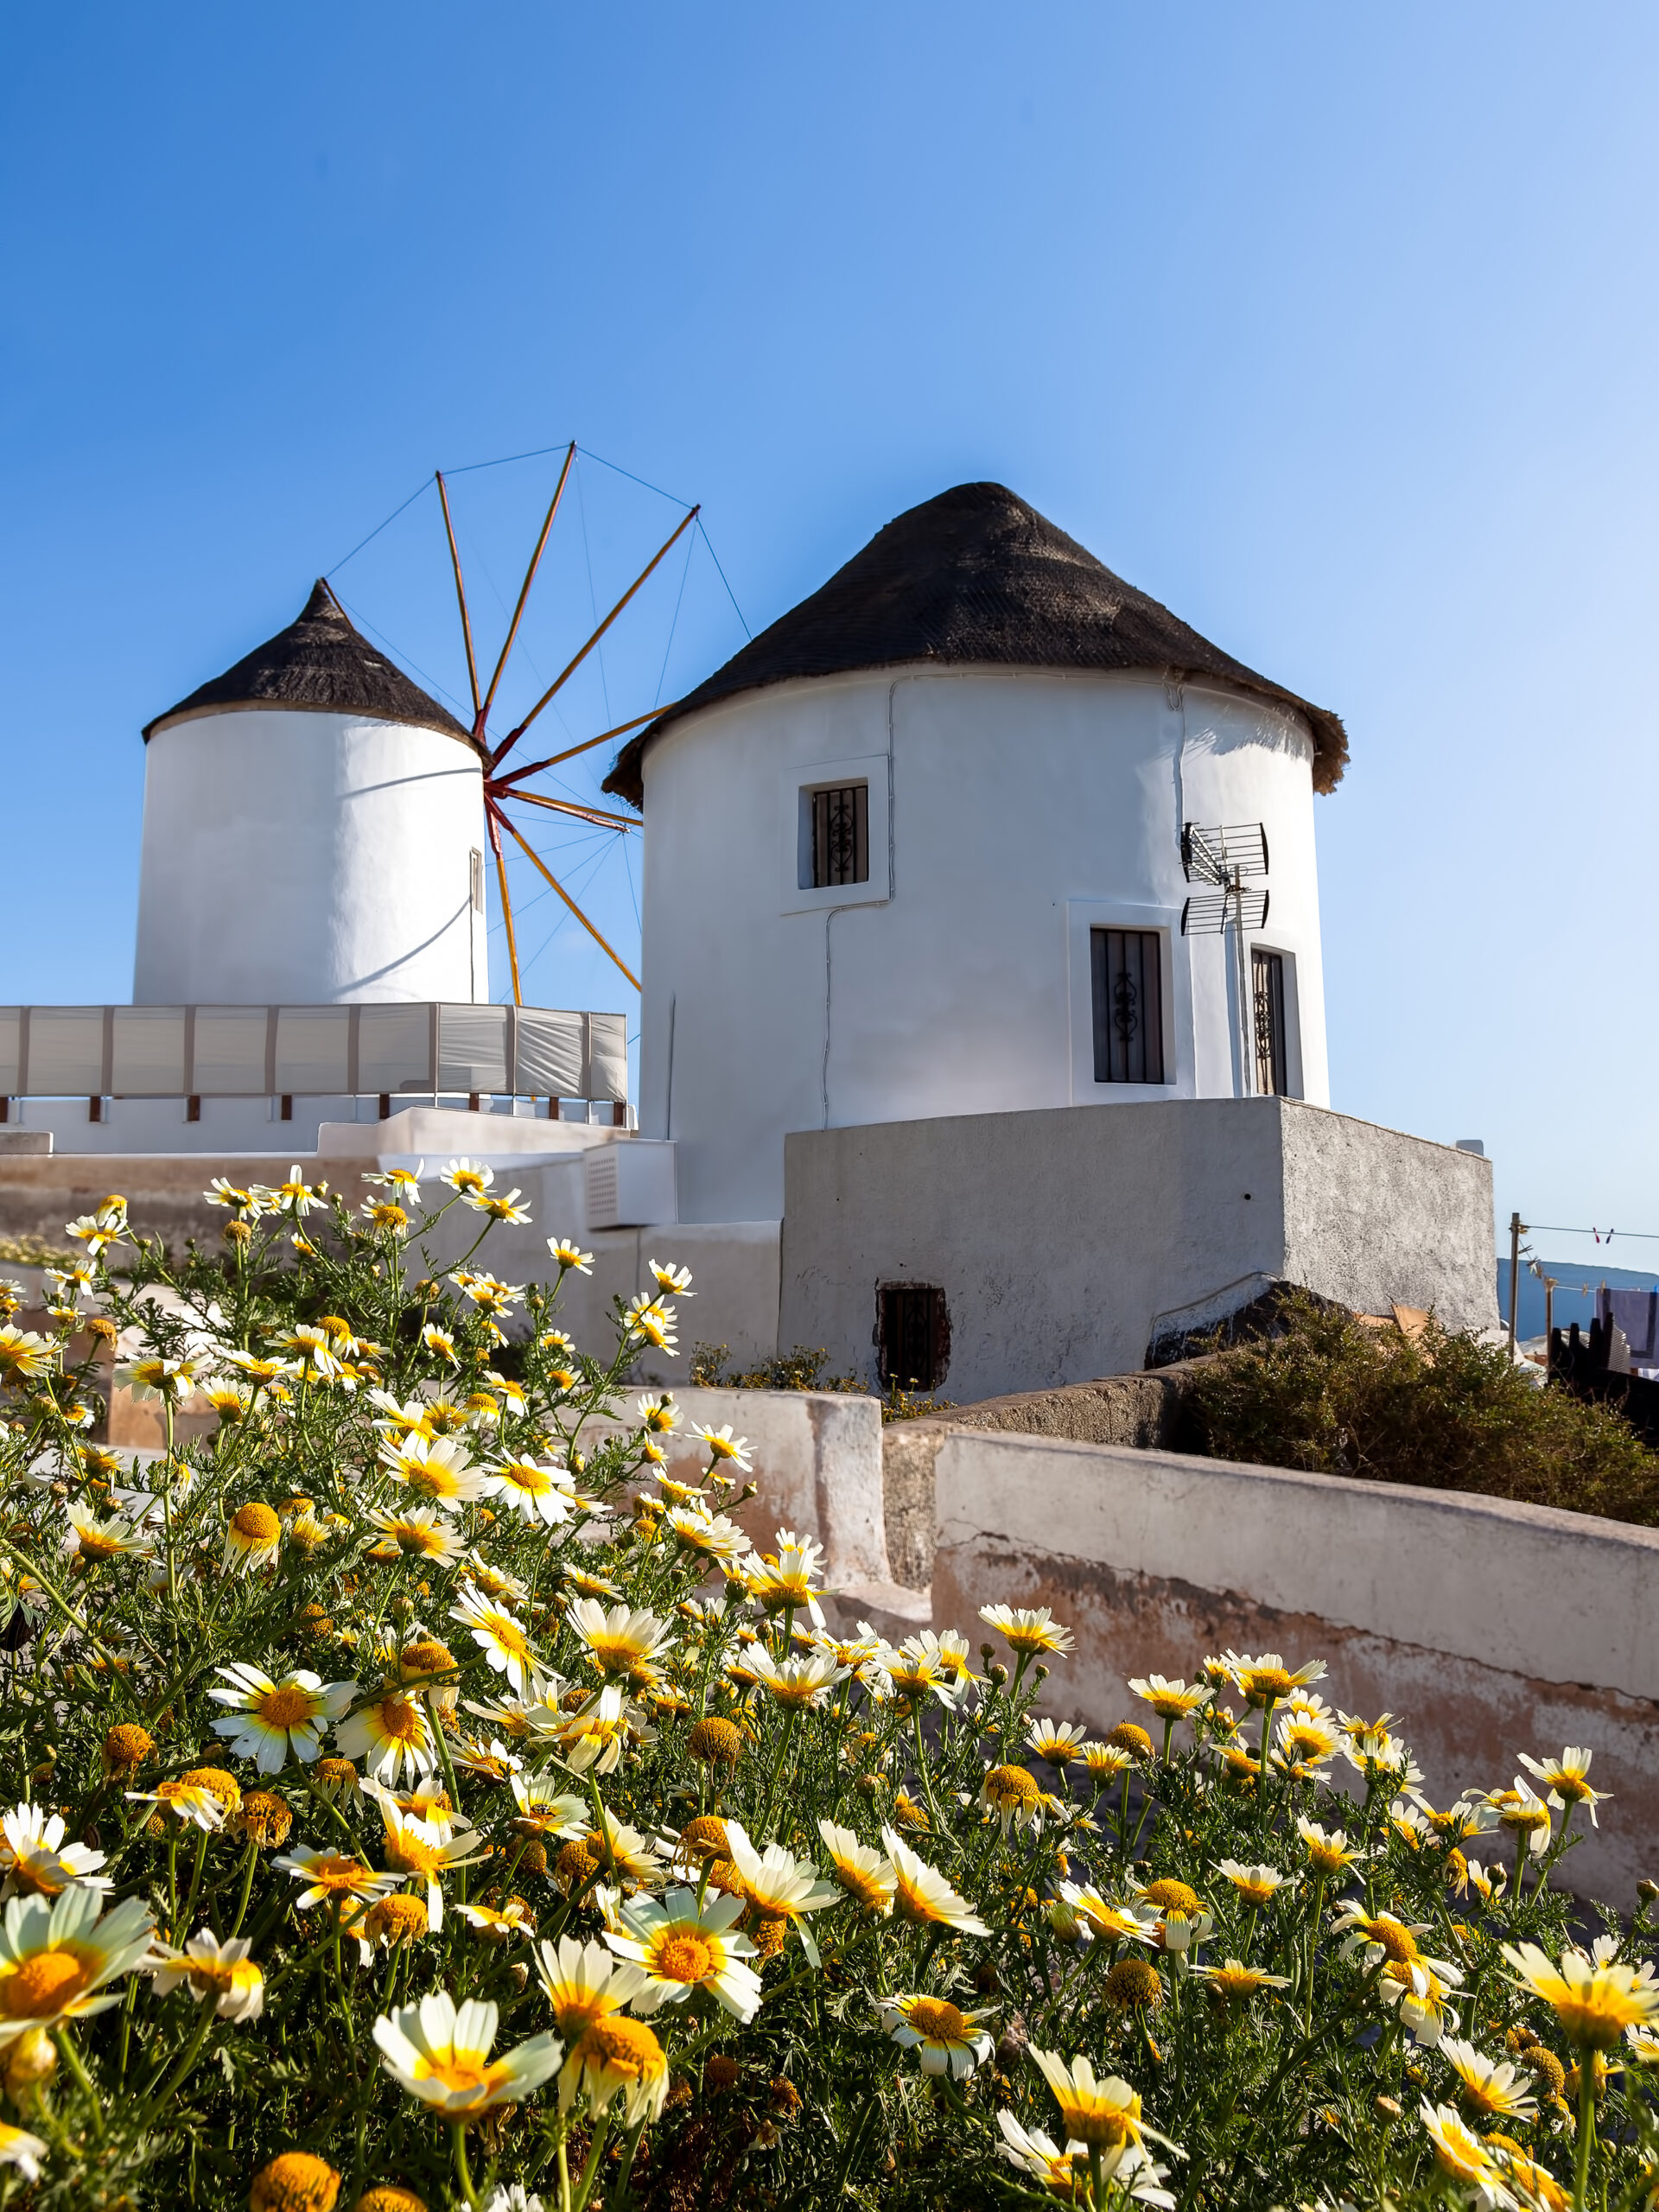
x,y
840,821
913,1336
1127,981
1267,979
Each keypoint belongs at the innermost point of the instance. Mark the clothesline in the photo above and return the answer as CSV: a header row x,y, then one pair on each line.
x,y
1601,1235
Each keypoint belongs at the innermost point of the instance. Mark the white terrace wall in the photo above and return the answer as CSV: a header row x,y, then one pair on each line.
x,y
1487,1628
734,1265
1064,1240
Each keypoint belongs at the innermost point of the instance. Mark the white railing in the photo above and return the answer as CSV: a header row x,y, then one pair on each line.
x,y
249,1051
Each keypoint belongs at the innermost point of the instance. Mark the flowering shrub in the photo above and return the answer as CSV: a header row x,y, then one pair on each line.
x,y
1447,1408
418,1798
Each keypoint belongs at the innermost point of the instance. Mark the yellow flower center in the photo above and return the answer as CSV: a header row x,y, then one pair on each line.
x,y
428,1657
1132,1984
45,1877
684,1957
769,1931
1102,2127
400,1720
256,1524
1266,1685
937,2019
387,2196
338,1873
1234,1981
215,1976
296,2182
1170,1705
411,1855
1396,1943
457,2070
508,1634
718,1742
627,2047
1306,1741
1026,1638
44,1984
1599,2017
1522,1812
218,1784
398,1919
286,1706
1011,1785
1170,1896
1129,1736
535,1481
912,1903
865,1889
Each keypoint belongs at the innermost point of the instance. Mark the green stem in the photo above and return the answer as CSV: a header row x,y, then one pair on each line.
x,y
777,1770
66,2043
620,2193
175,2081
1586,2128
248,1866
195,1883
463,2171
934,1812
1313,1948
596,2149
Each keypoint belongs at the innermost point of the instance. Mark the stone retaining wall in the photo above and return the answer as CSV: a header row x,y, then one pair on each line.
x,y
1488,1628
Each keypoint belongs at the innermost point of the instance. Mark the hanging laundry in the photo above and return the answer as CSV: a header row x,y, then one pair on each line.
x,y
1636,1313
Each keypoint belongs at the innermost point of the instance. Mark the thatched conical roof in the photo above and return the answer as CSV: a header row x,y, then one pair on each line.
x,y
322,664
976,576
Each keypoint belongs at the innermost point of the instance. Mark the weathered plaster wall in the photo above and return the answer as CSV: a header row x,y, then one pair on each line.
x,y
1063,1239
1488,1628
1135,1410
816,1458
1367,1208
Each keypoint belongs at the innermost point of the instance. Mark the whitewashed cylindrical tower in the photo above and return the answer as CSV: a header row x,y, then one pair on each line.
x,y
918,851
313,833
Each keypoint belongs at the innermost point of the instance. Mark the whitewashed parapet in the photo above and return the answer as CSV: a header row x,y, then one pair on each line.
x,y
1488,1628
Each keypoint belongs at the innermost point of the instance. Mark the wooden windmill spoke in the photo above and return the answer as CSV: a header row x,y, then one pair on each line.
x,y
529,578
513,736
518,775
506,912
546,873
466,619
594,814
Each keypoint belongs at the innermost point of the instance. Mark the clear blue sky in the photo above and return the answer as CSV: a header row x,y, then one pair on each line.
x,y
1333,328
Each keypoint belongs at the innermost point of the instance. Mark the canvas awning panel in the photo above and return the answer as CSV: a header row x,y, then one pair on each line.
x,y
326,1051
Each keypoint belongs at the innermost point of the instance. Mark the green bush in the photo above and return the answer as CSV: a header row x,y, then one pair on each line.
x,y
1449,1411
712,1369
